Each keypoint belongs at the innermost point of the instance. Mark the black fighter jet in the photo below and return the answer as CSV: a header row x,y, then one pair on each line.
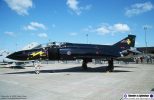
x,y
73,51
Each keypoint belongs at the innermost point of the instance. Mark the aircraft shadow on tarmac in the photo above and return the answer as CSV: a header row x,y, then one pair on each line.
x,y
16,67
124,67
101,69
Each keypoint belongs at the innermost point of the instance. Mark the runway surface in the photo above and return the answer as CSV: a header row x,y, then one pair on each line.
x,y
70,82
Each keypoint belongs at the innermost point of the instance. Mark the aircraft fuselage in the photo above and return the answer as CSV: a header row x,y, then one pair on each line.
x,y
67,52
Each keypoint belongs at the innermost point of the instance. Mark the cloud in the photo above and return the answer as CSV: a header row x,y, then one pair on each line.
x,y
20,6
42,35
73,34
74,6
35,26
102,30
9,33
139,8
109,29
121,28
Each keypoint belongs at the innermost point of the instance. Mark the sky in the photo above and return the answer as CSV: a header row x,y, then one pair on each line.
x,y
77,21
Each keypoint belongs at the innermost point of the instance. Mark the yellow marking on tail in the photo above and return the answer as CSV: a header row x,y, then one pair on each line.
x,y
128,41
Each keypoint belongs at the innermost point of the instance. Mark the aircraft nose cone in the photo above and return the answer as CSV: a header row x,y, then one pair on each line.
x,y
16,56
9,56
12,56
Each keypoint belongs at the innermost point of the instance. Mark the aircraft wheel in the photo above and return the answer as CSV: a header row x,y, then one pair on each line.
x,y
110,67
84,65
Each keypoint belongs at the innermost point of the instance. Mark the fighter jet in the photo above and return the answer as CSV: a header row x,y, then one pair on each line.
x,y
73,51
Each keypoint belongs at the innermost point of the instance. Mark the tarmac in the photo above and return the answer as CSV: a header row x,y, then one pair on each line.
x,y
69,82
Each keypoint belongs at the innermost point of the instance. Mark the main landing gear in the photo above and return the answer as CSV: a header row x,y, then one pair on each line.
x,y
84,63
110,67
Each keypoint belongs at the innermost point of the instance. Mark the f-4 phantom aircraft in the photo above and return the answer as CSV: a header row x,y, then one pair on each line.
x,y
73,51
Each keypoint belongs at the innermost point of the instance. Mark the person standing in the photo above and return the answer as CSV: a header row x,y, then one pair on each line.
x,y
37,67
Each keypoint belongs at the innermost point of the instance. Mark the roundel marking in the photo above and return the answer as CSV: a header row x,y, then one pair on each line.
x,y
68,52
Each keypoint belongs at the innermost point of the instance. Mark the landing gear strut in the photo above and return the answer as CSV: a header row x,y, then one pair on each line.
x,y
84,63
110,65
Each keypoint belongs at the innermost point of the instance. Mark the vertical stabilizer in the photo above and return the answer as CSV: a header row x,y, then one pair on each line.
x,y
126,43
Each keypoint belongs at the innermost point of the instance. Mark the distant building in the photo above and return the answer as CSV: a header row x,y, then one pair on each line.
x,y
143,49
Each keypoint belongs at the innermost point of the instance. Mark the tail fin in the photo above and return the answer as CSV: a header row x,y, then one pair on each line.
x,y
126,43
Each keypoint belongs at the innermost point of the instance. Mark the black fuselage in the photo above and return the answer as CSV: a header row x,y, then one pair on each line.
x,y
68,51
